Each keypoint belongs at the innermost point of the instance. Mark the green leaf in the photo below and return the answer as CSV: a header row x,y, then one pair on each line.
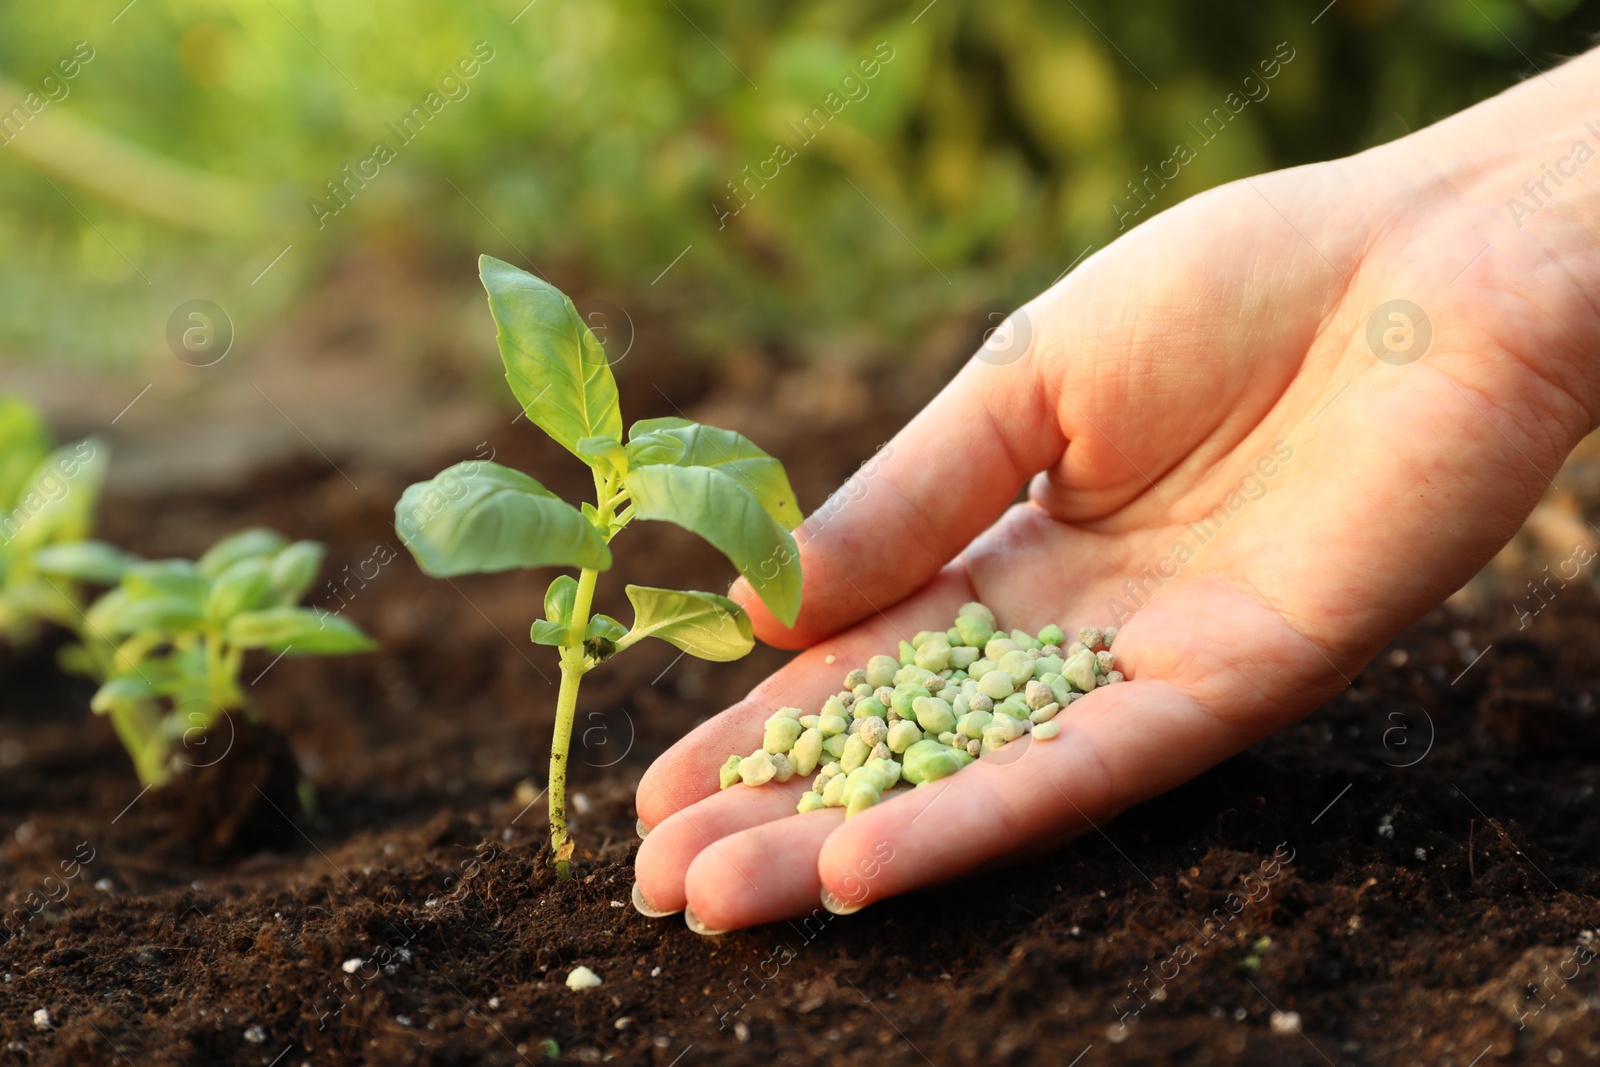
x,y
157,613
256,541
97,620
126,689
94,562
702,624
58,502
604,453
651,447
297,631
478,518
24,442
556,366
549,633
601,637
604,627
708,502
166,577
243,586
668,422
560,598
294,569
733,454
37,598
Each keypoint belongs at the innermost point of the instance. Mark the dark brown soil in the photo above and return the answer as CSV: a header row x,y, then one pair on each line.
x,y
1402,865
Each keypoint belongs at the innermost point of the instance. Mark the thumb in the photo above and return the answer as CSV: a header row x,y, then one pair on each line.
x,y
925,495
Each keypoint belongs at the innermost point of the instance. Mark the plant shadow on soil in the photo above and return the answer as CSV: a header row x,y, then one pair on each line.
x,y
1443,835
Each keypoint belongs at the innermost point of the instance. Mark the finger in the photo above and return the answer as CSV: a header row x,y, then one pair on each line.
x,y
665,855
746,881
688,771
1119,745
938,484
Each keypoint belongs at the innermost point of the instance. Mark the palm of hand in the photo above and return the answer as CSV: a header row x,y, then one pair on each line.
x,y
1230,474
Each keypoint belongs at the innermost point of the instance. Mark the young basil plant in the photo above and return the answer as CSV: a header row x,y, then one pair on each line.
x,y
169,640
47,504
479,517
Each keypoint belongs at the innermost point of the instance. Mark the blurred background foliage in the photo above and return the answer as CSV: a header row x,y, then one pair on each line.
x,y
599,142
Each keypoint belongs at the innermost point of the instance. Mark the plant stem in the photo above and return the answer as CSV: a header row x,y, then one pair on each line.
x,y
573,668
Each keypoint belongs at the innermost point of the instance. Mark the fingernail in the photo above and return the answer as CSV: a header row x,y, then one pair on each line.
x,y
645,908
642,829
693,923
838,905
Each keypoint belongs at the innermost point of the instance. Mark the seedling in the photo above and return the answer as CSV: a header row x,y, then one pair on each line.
x,y
169,640
949,697
47,504
479,517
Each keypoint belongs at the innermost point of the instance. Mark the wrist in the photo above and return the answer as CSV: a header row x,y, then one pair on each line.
x,y
1528,161
1505,196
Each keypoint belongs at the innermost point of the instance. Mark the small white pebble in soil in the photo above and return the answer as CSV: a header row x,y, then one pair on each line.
x,y
42,1020
1285,1022
403,1020
582,978
1421,853
741,1031
256,1035
494,1003
103,885
624,1022
352,965
1239,1015
1398,657
580,804
655,972
616,903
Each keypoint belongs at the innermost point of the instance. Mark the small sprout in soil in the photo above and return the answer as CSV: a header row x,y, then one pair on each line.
x,y
949,697
169,641
479,517
582,978
48,497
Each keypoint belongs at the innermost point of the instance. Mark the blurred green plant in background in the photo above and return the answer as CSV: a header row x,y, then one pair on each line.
x,y
601,142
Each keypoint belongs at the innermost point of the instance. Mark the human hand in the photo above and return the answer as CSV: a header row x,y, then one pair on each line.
x,y
1220,463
